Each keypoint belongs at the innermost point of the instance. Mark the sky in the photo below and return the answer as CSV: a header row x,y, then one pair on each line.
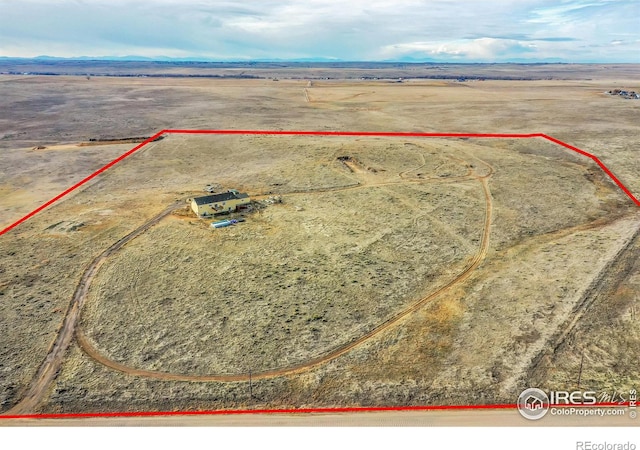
x,y
347,30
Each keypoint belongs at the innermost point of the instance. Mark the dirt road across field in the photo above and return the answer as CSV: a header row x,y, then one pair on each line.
x,y
94,353
52,363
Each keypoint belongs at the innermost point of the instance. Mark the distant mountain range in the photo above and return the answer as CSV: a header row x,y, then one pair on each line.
x,y
136,58
163,59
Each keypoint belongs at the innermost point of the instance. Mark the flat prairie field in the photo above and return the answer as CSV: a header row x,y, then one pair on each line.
x,y
369,270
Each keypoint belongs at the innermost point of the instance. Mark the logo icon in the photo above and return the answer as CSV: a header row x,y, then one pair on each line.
x,y
533,404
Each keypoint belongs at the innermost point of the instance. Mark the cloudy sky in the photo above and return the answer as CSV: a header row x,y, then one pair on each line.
x,y
357,30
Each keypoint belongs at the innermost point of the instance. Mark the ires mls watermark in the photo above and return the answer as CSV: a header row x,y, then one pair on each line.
x,y
534,403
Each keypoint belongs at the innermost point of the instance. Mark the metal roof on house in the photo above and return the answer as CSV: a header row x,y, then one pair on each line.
x,y
216,198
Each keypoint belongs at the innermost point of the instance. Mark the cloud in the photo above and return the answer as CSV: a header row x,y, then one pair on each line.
x,y
482,49
355,30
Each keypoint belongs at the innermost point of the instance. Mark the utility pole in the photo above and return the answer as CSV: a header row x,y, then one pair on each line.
x,y
580,373
250,386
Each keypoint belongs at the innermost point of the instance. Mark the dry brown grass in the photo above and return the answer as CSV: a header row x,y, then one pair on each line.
x,y
554,225
292,283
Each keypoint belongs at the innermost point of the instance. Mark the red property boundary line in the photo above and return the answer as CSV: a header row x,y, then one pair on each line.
x,y
325,133
304,133
230,412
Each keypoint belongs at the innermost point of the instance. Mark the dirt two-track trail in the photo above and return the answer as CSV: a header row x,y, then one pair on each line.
x,y
53,362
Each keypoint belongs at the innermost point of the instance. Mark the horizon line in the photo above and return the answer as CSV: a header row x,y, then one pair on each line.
x,y
322,60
